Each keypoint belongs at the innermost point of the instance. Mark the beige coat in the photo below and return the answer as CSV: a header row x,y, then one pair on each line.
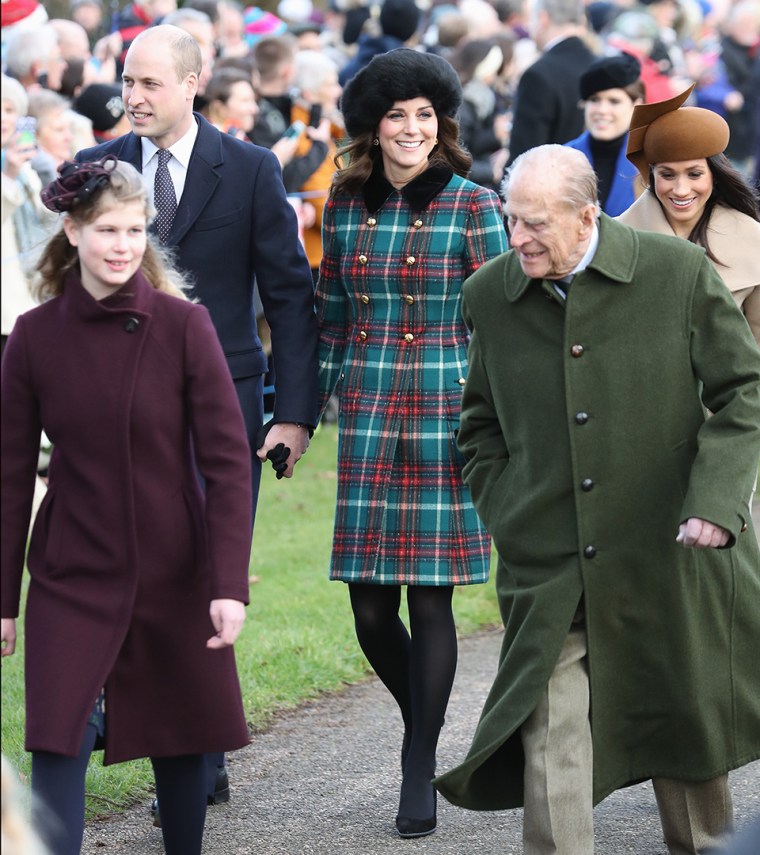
x,y
734,239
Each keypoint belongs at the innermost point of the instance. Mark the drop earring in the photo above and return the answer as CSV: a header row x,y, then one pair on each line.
x,y
375,141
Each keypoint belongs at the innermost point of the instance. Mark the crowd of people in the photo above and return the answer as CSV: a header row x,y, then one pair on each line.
x,y
515,246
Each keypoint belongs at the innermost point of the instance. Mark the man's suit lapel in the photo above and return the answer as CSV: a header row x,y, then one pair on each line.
x,y
202,180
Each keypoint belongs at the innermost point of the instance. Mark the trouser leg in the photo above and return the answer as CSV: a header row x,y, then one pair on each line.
x,y
558,777
697,816
58,785
181,791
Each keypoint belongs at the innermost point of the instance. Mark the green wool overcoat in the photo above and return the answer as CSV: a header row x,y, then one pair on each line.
x,y
588,441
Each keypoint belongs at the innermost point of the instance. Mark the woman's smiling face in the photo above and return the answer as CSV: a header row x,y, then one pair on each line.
x,y
683,188
407,134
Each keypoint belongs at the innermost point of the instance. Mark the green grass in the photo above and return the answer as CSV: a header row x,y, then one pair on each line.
x,y
298,641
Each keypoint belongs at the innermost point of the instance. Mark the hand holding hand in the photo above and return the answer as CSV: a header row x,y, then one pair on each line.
x,y
701,534
294,440
228,617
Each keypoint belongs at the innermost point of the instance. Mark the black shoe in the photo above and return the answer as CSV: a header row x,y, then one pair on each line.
x,y
408,827
221,787
155,814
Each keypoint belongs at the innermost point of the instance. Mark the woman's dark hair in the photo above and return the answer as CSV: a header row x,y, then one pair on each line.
x,y
731,190
357,159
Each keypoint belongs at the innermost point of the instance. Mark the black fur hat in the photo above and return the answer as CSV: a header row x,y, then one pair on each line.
x,y
399,75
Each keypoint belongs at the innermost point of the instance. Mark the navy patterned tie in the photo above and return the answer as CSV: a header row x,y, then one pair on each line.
x,y
164,197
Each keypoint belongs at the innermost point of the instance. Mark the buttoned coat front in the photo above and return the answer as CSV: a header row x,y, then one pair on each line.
x,y
393,340
588,442
126,553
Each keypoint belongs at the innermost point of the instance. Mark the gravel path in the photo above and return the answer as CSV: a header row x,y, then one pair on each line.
x,y
324,780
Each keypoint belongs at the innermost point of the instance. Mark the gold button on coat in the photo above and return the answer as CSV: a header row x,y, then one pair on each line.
x,y
371,221
409,338
461,381
363,335
364,298
409,299
410,260
418,224
362,259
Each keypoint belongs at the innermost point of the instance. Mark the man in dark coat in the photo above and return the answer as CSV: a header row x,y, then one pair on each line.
x,y
547,108
612,433
233,225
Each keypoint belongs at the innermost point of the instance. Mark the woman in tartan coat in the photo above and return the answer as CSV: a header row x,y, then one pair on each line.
x,y
402,230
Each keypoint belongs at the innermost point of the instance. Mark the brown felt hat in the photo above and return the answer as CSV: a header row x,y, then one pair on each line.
x,y
667,132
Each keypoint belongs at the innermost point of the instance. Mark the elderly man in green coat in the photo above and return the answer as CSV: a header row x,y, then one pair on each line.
x,y
612,433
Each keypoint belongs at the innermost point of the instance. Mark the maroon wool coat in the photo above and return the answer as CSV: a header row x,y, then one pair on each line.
x,y
126,552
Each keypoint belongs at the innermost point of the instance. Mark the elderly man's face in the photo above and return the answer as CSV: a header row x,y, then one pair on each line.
x,y
549,236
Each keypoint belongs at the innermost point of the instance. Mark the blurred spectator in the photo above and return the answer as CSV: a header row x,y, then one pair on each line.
x,y
610,88
17,835
200,26
513,14
316,82
730,89
546,102
33,57
55,133
275,59
82,67
478,63
232,106
399,21
89,15
26,223
230,30
135,18
259,24
635,32
103,105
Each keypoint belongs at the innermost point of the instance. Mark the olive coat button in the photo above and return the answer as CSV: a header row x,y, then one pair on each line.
x,y
409,338
576,350
587,485
364,298
131,324
581,418
589,551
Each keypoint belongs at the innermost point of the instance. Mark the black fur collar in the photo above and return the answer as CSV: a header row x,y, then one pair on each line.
x,y
419,192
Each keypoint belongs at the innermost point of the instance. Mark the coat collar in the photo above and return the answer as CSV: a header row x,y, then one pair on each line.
x,y
135,297
418,193
615,259
734,238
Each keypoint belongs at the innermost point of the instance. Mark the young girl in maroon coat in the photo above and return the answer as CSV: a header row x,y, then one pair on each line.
x,y
138,577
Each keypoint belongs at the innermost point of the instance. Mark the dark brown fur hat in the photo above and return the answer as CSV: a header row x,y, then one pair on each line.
x,y
399,75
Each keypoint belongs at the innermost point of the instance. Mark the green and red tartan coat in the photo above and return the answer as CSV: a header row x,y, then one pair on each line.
x,y
393,346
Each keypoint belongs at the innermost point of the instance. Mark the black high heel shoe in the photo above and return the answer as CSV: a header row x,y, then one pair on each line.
x,y
408,827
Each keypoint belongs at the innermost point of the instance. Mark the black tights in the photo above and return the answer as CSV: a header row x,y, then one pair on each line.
x,y
418,670
58,786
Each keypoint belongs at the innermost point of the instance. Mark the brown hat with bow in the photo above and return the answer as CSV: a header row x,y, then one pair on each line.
x,y
667,132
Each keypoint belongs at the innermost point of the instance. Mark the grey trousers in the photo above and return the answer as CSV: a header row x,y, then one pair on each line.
x,y
696,817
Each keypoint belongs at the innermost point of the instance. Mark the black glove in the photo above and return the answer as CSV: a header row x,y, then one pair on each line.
x,y
279,457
